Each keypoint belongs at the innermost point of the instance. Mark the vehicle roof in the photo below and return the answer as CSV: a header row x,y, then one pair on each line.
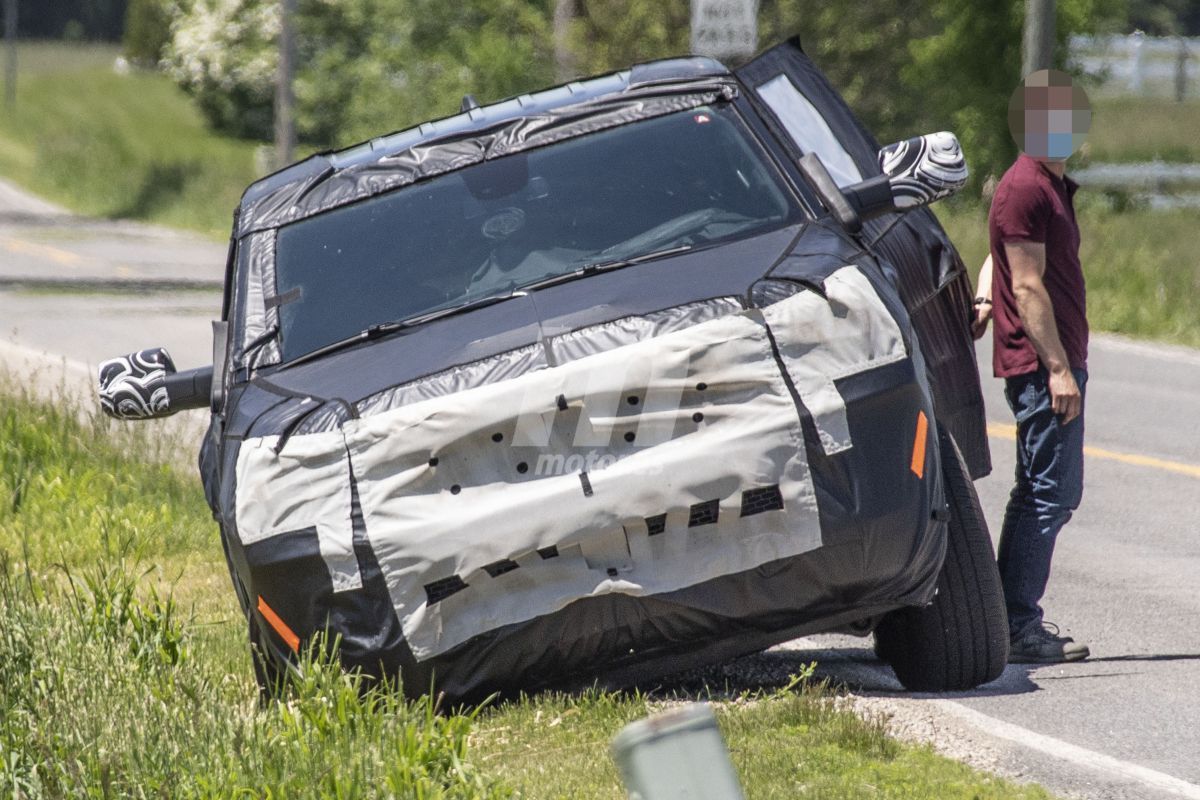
x,y
666,71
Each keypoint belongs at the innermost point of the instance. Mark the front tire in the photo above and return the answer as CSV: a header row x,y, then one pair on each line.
x,y
960,640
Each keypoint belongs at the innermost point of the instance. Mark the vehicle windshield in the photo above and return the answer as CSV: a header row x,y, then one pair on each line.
x,y
685,179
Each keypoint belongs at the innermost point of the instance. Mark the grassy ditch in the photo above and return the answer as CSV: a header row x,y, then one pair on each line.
x,y
122,146
124,673
1141,266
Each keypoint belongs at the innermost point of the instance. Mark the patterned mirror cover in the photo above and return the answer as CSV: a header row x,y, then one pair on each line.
x,y
134,387
924,168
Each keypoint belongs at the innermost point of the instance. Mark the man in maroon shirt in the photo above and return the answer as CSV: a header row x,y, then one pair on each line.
x,y
1041,338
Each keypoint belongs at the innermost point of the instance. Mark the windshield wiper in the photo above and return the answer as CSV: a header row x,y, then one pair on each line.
x,y
381,329
602,266
378,330
429,316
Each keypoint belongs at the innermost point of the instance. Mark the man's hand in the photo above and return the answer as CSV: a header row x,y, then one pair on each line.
x,y
983,315
1064,395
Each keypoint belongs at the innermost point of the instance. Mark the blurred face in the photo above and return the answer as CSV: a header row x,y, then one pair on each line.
x,y
1048,116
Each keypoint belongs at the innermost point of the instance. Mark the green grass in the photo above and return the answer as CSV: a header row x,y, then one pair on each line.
x,y
123,663
123,146
1144,129
789,744
124,670
1141,267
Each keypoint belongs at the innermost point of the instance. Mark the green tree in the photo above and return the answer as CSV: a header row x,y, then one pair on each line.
x,y
963,74
405,61
147,31
612,34
370,66
862,48
223,53
917,67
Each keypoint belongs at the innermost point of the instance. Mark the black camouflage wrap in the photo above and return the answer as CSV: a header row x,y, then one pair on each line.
x,y
882,541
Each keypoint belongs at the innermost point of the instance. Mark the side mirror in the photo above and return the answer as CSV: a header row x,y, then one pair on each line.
x,y
916,172
924,169
146,385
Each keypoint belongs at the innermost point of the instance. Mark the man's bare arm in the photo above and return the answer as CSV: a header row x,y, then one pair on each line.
x,y
1027,262
983,299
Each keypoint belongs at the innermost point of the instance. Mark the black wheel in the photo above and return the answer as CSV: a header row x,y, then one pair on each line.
x,y
960,640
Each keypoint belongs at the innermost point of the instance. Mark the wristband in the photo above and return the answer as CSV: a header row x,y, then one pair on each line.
x,y
982,301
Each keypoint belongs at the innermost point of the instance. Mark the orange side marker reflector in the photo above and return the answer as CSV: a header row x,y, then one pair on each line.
x,y
918,459
287,634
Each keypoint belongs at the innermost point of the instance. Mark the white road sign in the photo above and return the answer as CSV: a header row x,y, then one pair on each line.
x,y
724,27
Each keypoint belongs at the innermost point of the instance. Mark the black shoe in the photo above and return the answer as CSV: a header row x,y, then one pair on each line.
x,y
1042,646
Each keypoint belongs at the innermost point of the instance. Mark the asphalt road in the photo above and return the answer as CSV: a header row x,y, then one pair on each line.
x,y
1120,725
91,289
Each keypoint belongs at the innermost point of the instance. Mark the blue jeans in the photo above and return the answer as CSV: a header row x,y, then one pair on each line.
x,y
1048,488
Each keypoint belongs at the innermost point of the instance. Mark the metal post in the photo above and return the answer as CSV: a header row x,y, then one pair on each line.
x,y
564,61
285,126
1038,45
1181,59
10,66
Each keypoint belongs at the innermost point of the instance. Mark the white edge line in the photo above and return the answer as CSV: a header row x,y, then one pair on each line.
x,y
1068,752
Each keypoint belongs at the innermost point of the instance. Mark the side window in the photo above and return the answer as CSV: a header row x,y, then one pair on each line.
x,y
808,128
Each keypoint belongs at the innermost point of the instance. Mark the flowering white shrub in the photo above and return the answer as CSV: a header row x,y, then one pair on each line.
x,y
224,53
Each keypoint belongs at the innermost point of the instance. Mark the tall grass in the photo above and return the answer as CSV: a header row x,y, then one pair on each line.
x,y
124,670
106,695
123,146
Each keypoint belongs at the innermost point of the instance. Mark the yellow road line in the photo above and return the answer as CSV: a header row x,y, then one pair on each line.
x,y
64,257
1002,431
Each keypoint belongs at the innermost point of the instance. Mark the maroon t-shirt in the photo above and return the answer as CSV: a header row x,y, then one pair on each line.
x,y
1033,204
